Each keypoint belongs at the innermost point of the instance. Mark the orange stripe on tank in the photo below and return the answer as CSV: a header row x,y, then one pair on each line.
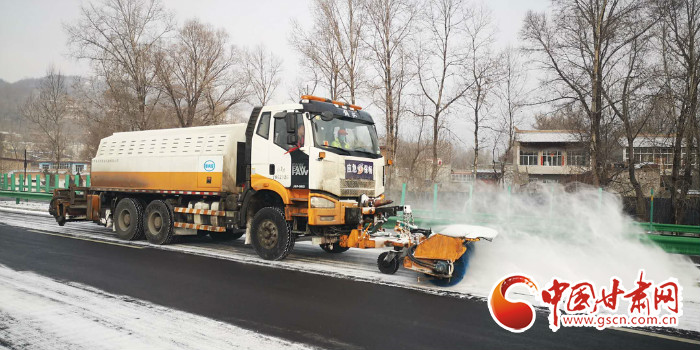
x,y
167,181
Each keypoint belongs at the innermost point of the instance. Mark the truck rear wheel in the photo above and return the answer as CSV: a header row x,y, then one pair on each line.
x,y
128,219
272,235
159,223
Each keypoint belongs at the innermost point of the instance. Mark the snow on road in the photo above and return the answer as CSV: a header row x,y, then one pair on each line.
x,y
33,206
37,312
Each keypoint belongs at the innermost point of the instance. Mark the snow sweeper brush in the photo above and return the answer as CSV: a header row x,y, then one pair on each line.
x,y
443,255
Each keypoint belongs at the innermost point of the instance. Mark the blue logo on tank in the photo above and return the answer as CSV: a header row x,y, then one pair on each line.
x,y
209,165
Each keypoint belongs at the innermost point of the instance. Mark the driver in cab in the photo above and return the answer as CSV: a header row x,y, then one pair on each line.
x,y
341,139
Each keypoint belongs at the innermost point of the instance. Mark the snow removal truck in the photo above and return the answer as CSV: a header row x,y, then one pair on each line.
x,y
305,171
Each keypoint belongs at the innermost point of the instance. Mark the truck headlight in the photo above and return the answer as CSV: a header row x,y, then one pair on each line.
x,y
320,202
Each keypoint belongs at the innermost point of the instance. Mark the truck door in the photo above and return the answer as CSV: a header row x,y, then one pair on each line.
x,y
262,142
288,156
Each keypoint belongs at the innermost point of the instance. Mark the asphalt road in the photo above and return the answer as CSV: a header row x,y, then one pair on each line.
x,y
310,308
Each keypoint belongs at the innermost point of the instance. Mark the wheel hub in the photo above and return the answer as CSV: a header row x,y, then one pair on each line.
x,y
126,218
268,234
155,222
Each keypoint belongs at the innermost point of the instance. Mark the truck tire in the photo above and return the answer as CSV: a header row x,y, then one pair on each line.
x,y
334,248
272,235
159,223
128,219
226,236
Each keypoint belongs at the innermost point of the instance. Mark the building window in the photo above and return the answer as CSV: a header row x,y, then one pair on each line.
x,y
45,166
577,157
551,158
664,156
64,166
528,158
644,154
79,168
461,177
658,155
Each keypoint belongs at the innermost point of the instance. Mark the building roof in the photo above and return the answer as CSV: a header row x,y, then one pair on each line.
x,y
479,171
650,141
72,161
544,136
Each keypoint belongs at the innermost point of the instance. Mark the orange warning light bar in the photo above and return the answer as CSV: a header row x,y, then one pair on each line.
x,y
321,99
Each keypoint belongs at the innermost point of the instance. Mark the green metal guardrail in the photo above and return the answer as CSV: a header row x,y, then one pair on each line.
x,y
33,187
26,195
677,244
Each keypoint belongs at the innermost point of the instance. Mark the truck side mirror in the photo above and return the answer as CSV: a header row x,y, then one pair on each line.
x,y
292,139
326,116
291,122
279,115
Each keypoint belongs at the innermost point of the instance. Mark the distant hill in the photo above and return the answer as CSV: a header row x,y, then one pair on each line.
x,y
13,95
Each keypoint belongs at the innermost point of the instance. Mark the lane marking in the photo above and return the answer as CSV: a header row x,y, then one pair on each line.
x,y
85,239
662,336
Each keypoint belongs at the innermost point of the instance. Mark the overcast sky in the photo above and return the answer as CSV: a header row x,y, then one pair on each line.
x,y
32,36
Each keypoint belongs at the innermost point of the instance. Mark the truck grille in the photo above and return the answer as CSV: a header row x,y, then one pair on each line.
x,y
355,188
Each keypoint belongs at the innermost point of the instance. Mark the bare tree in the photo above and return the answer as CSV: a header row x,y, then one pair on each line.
x,y
119,38
579,45
482,69
200,65
439,60
412,152
629,96
681,59
319,52
568,117
49,111
264,69
392,23
345,20
304,86
511,97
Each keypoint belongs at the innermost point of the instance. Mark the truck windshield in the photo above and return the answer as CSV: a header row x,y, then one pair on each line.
x,y
346,136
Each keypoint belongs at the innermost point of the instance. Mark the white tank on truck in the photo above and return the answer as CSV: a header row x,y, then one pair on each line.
x,y
184,159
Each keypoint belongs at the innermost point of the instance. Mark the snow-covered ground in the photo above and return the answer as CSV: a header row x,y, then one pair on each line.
x,y
33,206
37,312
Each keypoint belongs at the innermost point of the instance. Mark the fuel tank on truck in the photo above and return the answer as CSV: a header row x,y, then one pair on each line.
x,y
202,158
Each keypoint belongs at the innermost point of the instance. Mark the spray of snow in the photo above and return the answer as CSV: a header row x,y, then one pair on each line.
x,y
579,235
37,312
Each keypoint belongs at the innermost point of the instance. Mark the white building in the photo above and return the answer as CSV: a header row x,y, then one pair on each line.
x,y
551,155
654,149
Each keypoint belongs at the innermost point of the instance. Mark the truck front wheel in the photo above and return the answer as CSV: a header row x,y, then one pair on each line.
x,y
128,219
159,223
272,236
